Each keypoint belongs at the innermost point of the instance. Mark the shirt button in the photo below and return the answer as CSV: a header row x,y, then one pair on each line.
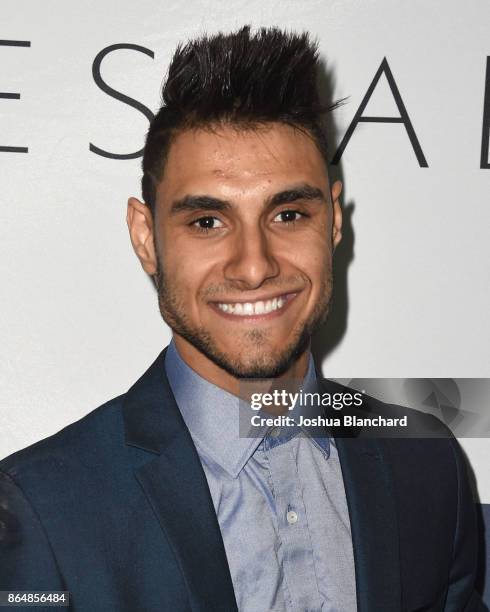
x,y
291,517
275,433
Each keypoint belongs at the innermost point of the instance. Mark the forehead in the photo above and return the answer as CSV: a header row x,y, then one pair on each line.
x,y
237,160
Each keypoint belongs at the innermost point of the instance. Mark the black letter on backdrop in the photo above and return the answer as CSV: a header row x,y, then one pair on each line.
x,y
485,131
118,95
13,96
404,118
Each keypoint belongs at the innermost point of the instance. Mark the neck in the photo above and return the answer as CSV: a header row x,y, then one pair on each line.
x,y
214,374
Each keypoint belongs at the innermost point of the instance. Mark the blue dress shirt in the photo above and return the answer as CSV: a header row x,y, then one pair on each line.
x,y
279,499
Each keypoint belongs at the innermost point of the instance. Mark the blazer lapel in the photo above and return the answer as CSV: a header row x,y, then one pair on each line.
x,y
176,488
372,511
371,500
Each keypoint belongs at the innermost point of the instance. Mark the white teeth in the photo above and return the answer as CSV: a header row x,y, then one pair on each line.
x,y
248,308
253,308
259,308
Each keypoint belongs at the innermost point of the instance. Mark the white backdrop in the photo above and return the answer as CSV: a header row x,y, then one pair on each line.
x,y
79,319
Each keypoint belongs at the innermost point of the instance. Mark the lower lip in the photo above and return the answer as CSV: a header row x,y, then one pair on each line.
x,y
289,297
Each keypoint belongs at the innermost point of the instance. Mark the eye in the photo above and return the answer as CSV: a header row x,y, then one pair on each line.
x,y
204,224
288,216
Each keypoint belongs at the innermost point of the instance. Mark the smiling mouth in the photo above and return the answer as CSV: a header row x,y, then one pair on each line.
x,y
259,308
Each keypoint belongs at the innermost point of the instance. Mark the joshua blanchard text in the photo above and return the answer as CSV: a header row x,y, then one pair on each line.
x,y
346,420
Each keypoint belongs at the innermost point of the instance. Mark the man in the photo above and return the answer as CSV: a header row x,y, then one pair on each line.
x,y
154,501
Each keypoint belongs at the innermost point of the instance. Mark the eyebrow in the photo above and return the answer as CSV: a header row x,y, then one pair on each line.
x,y
199,202
298,192
190,203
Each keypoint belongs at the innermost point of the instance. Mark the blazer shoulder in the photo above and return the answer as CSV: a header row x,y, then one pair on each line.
x,y
79,442
408,423
412,437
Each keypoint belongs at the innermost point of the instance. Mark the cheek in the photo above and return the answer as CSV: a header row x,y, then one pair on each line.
x,y
186,275
188,271
180,258
313,257
194,259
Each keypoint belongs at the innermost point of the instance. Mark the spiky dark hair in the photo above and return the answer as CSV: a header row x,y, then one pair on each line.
x,y
243,78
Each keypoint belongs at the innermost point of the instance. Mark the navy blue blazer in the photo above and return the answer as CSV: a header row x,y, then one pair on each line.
x,y
115,509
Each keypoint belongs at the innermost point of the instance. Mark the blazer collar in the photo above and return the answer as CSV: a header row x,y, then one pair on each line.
x,y
176,488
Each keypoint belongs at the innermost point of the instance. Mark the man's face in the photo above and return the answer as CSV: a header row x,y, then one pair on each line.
x,y
243,234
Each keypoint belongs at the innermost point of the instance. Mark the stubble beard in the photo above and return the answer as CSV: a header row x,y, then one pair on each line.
x,y
173,312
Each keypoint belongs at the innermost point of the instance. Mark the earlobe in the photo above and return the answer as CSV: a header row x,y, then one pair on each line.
x,y
140,224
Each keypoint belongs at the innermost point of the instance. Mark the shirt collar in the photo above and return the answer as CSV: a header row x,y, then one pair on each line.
x,y
212,415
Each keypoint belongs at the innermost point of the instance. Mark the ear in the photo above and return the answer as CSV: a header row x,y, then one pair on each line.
x,y
337,213
140,223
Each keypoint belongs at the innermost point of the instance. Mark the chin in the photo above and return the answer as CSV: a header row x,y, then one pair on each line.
x,y
259,352
260,362
259,368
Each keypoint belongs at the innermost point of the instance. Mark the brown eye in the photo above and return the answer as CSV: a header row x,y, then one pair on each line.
x,y
288,216
207,223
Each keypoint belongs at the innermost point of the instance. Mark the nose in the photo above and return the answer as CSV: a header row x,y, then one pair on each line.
x,y
251,262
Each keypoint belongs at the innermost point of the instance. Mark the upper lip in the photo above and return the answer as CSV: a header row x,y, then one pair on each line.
x,y
255,298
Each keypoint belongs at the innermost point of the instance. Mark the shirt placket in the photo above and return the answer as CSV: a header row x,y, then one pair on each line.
x,y
296,545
